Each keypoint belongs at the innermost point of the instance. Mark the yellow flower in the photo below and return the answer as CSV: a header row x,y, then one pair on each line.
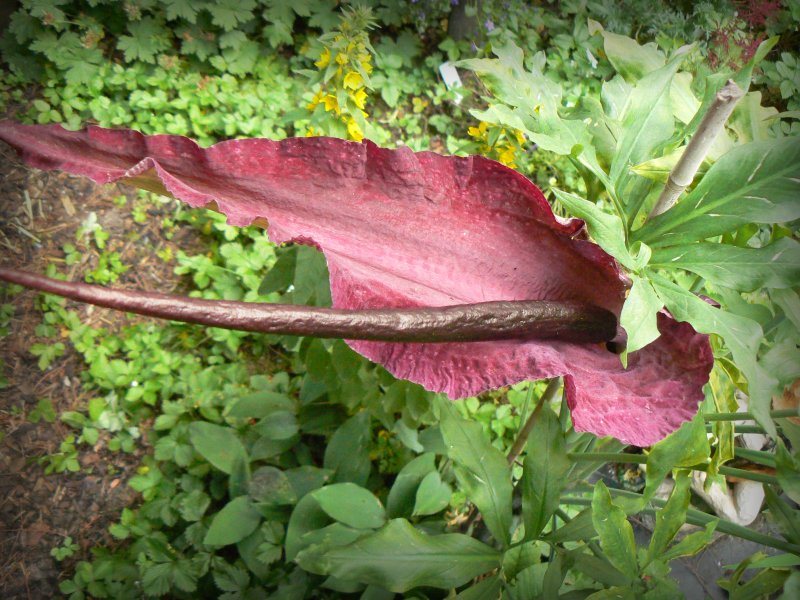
x,y
353,80
520,136
315,100
310,132
324,59
354,130
331,103
506,156
341,58
479,131
359,98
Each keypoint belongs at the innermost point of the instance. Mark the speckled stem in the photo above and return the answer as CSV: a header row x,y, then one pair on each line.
x,y
567,321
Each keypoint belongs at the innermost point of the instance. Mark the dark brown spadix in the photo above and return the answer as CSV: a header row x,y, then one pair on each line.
x,y
567,321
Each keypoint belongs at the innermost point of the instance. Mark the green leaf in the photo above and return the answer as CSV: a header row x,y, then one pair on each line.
x,y
670,518
271,487
544,472
788,471
348,451
486,589
763,585
351,505
630,59
616,534
482,471
647,121
181,9
745,269
580,528
306,517
639,314
229,13
433,495
741,335
756,182
686,447
148,38
399,558
259,405
217,444
402,496
606,229
785,515
233,523
692,543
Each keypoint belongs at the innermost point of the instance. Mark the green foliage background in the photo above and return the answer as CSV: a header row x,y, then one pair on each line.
x,y
293,468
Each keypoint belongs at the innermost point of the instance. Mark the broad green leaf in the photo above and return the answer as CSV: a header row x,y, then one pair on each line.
x,y
544,472
659,168
271,486
778,561
671,517
630,59
788,471
482,470
756,182
402,496
742,336
692,543
306,517
487,589
606,229
614,593
433,495
686,447
351,505
598,569
217,444
259,405
647,121
745,269
639,314
616,534
518,558
348,451
399,558
791,587
233,523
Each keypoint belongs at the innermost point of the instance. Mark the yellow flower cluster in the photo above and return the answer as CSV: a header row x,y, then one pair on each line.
x,y
344,65
506,142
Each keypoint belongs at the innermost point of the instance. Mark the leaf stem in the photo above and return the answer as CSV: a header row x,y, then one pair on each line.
x,y
486,321
696,150
522,437
746,416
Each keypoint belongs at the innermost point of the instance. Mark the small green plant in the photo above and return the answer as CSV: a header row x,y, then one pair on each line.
x,y
65,550
47,353
44,411
66,459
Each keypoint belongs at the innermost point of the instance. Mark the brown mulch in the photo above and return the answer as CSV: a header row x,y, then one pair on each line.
x,y
38,511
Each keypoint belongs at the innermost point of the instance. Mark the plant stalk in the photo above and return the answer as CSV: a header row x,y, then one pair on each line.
x,y
522,437
696,150
746,416
514,320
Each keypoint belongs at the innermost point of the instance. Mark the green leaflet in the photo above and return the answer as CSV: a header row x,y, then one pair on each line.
x,y
544,472
745,269
482,471
399,558
616,534
756,182
639,314
217,444
233,523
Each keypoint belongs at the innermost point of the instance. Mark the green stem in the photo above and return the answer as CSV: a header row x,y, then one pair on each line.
x,y
756,456
701,519
746,416
522,437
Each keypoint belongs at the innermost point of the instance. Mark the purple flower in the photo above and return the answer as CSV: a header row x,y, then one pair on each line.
x,y
489,25
404,229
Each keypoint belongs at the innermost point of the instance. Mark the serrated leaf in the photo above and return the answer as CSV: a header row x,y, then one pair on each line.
x,y
350,504
616,533
692,543
639,314
544,472
483,473
147,38
745,269
181,9
218,445
228,14
399,558
756,182
233,523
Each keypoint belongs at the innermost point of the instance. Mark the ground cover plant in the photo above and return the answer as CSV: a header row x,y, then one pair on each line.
x,y
293,467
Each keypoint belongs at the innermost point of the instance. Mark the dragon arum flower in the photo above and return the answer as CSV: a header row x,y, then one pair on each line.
x,y
401,230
